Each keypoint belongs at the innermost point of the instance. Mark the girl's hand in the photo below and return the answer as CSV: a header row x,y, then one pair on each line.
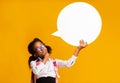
x,y
83,44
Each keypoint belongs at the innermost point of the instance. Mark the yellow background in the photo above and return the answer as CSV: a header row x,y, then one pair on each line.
x,y
21,21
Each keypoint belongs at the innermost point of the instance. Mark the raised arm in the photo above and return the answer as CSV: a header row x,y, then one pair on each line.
x,y
71,61
82,45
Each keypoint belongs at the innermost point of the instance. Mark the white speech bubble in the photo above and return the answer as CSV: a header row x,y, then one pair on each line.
x,y
77,21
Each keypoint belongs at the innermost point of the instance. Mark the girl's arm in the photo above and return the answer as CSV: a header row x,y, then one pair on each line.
x,y
82,45
71,61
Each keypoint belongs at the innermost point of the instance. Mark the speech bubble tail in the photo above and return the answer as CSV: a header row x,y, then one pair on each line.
x,y
56,34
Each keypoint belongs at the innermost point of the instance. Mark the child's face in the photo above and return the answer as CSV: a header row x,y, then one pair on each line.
x,y
40,49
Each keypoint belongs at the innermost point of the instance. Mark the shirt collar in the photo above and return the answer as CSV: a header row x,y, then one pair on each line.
x,y
41,59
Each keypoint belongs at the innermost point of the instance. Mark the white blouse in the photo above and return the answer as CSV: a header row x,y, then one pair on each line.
x,y
47,69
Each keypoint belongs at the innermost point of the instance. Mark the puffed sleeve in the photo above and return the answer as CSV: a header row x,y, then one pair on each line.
x,y
66,63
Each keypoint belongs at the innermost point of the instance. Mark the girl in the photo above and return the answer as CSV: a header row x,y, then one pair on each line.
x,y
44,69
